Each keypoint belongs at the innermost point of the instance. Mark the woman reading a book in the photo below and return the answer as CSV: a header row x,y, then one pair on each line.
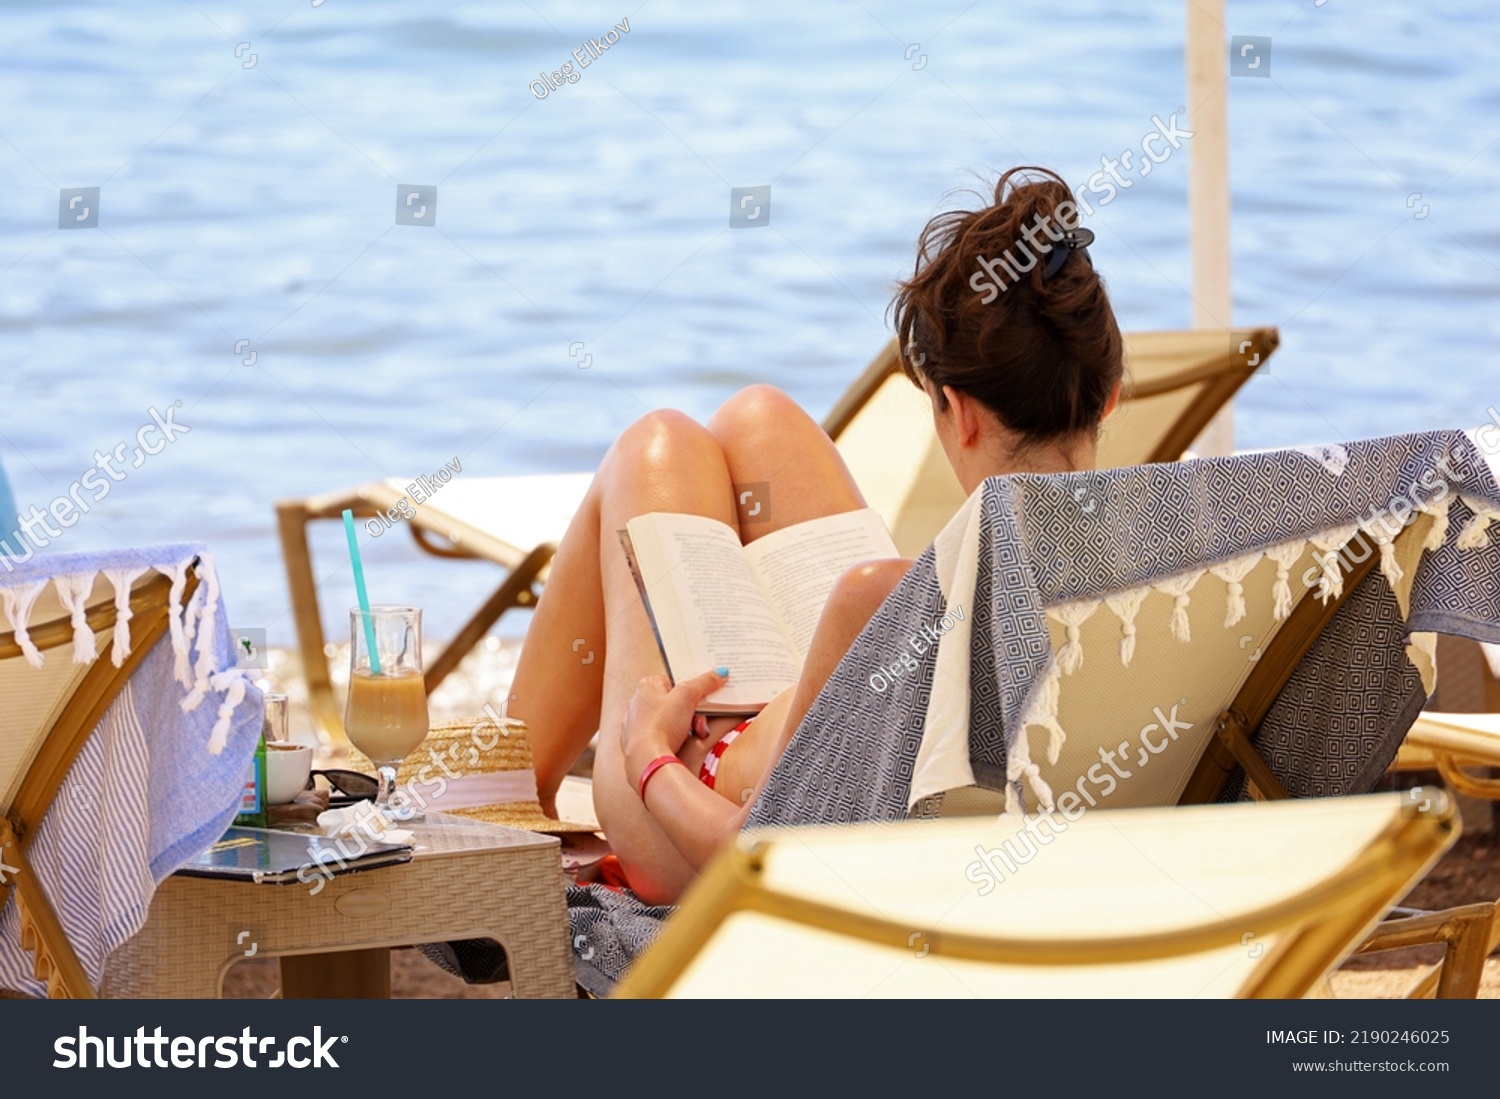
x,y
1007,329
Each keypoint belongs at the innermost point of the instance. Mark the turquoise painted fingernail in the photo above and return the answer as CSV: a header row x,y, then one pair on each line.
x,y
723,672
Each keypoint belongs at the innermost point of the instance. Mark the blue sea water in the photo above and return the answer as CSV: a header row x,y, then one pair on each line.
x,y
249,155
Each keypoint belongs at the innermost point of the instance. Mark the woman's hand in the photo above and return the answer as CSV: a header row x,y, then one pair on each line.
x,y
659,718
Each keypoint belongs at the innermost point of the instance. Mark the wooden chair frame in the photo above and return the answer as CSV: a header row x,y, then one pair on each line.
x,y
1465,932
521,587
1226,375
41,931
1316,922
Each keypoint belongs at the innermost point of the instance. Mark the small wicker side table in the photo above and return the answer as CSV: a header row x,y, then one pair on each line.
x,y
468,879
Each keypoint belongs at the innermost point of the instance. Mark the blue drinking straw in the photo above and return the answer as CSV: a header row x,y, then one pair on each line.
x,y
359,590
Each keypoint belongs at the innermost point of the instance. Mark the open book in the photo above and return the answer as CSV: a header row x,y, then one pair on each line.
x,y
716,603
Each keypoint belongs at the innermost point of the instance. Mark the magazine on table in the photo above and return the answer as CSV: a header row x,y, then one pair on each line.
x,y
273,857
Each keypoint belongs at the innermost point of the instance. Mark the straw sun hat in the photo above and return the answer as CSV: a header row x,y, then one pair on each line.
x,y
473,747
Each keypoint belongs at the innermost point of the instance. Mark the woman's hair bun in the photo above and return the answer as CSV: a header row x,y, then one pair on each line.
x,y
1004,304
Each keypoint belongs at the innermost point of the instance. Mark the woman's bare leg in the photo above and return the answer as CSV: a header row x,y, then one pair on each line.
x,y
559,683
663,462
767,438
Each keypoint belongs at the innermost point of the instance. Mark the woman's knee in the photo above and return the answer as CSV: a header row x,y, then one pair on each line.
x,y
664,439
755,409
860,590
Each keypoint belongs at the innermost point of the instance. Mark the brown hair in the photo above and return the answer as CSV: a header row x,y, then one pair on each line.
x,y
1042,353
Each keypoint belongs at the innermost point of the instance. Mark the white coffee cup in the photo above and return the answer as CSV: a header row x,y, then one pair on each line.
x,y
287,768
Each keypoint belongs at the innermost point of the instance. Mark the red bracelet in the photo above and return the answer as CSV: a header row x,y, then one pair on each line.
x,y
651,768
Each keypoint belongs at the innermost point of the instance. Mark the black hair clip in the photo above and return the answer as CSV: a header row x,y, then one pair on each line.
x,y
1073,240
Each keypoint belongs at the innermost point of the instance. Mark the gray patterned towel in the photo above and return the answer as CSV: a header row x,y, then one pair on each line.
x,y
1027,545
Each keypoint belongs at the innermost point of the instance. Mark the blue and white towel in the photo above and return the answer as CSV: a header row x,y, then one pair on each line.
x,y
160,778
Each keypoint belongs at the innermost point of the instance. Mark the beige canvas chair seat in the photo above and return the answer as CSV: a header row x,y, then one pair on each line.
x,y
1171,903
1468,676
882,425
1193,644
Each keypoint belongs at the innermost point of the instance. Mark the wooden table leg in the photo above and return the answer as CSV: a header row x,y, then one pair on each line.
x,y
341,975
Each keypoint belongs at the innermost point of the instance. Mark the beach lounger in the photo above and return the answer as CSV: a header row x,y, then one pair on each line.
x,y
1450,743
1217,630
1136,903
883,426
125,737
49,712
1225,740
1183,698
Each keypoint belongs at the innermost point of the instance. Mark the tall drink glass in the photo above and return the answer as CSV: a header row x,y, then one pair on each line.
x,y
385,716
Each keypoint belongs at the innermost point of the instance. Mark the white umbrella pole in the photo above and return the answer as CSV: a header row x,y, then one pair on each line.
x,y
1208,188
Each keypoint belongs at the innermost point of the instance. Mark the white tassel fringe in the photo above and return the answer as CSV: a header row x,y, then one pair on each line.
x,y
123,580
1475,534
73,592
1072,616
1285,555
18,603
1331,544
1181,588
1126,604
231,684
1233,574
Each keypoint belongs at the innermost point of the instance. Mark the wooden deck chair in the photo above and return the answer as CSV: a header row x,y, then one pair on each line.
x,y
48,714
1132,903
1214,696
1458,719
883,425
1450,744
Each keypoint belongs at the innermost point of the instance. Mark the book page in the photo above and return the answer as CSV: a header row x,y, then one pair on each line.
x,y
798,565
709,609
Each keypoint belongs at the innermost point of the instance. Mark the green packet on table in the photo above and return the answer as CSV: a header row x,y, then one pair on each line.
x,y
280,858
